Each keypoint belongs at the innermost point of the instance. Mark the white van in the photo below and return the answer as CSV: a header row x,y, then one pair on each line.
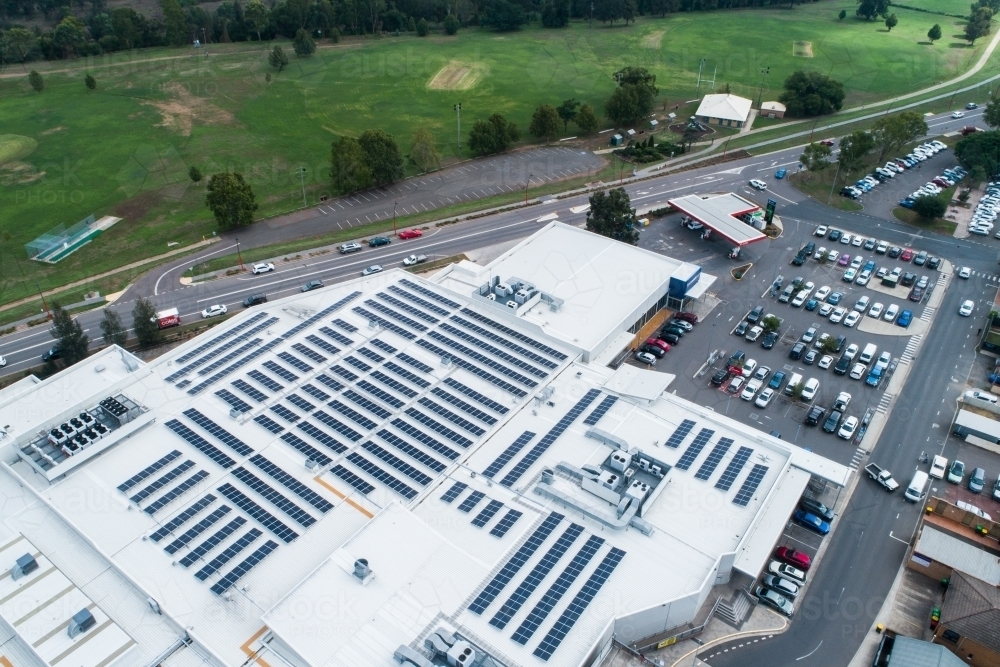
x,y
868,354
809,389
793,381
917,489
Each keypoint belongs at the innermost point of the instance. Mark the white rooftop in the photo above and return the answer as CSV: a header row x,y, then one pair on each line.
x,y
958,554
718,213
724,106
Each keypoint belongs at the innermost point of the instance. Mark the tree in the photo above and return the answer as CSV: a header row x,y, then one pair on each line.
x,y
423,28
113,329
890,133
929,207
257,16
19,45
69,335
586,119
843,14
423,151
194,173
69,37
891,22
853,150
870,9
567,111
349,169
991,115
36,81
811,94
612,215
90,81
555,13
816,157
144,322
176,31
502,16
978,25
634,97
382,156
544,122
450,24
934,33
303,44
770,323
492,135
277,58
978,175
980,149
231,199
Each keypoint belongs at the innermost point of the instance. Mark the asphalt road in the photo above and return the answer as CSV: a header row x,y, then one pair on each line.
x,y
866,550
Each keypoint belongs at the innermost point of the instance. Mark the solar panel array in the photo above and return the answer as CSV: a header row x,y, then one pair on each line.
x,y
219,350
257,512
300,403
425,439
384,323
322,436
395,289
285,413
454,492
352,479
750,484
471,501
218,339
228,554
507,454
176,492
407,308
222,361
399,317
344,373
280,371
264,380
335,335
463,406
680,433
601,409
222,434
274,496
351,414
345,326
476,396
506,523
487,513
226,582
397,463
411,451
308,352
213,541
182,518
244,387
734,469
148,471
416,363
694,449
438,427
357,363
472,368
393,384
497,352
292,484
315,392
294,362
714,458
368,405
269,424
430,294
196,530
311,452
371,354
320,315
381,475
162,482
329,382
500,340
322,344
458,420
384,346
236,365
407,375
380,394
234,401
199,443
517,335
500,368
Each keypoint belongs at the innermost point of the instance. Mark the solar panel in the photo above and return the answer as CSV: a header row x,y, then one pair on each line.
x,y
218,339
469,503
285,413
182,518
199,443
425,439
311,452
280,371
292,484
228,554
500,340
407,308
370,406
487,513
233,400
527,340
330,382
318,316
269,424
495,351
694,449
162,482
476,396
222,361
381,475
181,385
397,463
239,363
371,354
196,530
407,375
357,363
264,380
309,353
750,484
345,326
600,410
682,431
505,524
351,414
301,403
454,492
734,469
257,512
352,479
175,493
395,289
458,420
384,346
228,345
714,459
244,387
226,582
322,344
339,337
148,471
438,427
384,323
383,396
557,590
389,312
535,577
274,496
514,565
222,434
428,293
322,436
579,604
463,406
535,452
295,362
500,368
412,451
344,373
472,368
393,384
315,392
213,541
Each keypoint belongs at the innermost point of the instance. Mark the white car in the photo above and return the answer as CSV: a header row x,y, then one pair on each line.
x,y
966,309
825,361
750,390
862,304
863,278
822,230
762,373
958,114
833,256
825,310
858,241
939,466
809,335
809,389
374,268
848,428
852,318
263,267
3,361
850,275
749,366
981,397
858,371
891,312
857,262
838,315
969,507
764,398
214,311
822,293
964,272
758,184
846,239
876,310
820,253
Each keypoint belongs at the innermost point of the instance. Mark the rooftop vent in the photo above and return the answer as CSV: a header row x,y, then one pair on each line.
x,y
24,565
461,654
82,621
362,571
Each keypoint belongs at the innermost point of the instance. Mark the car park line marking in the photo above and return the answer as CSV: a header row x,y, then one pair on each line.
x,y
897,539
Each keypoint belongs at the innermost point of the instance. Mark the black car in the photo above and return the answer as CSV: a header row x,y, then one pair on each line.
x,y
810,357
797,350
254,299
52,353
654,350
311,285
671,329
769,340
741,328
832,421
895,251
816,507
815,414
908,279
755,314
798,260
809,248
379,240
670,338
720,377
736,359
841,342
933,262
916,294
835,234
843,365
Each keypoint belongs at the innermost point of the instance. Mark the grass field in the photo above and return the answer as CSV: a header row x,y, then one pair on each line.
x,y
960,7
125,148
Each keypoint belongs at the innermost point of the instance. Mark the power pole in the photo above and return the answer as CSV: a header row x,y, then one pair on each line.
x,y
239,254
458,134
394,218
763,73
44,305
526,188
302,178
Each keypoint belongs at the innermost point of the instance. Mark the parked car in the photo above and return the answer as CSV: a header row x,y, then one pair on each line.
x,y
410,234
848,428
785,587
769,340
816,413
653,350
977,480
816,507
811,522
720,377
793,558
787,571
645,357
687,317
891,312
376,241
349,247
764,398
263,267
771,598
956,472
776,380
904,319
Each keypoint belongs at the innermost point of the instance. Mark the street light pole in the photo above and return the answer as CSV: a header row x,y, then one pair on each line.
x,y
44,305
458,134
302,177
760,91
239,254
526,188
394,218
830,198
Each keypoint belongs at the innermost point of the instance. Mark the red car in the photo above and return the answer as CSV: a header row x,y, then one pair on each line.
x,y
906,256
969,129
410,234
827,142
687,317
656,342
793,557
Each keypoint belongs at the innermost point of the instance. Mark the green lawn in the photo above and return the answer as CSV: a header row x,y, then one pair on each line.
x,y
125,148
960,7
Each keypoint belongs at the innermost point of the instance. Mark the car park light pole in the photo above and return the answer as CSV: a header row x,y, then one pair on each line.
x,y
760,91
239,254
302,178
458,133
394,218
526,188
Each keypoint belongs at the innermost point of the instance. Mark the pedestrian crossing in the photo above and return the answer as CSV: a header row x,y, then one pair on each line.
x,y
859,456
943,280
884,402
911,349
981,274
928,313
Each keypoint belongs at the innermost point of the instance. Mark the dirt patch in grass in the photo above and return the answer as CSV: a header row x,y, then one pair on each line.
x,y
653,39
802,49
19,173
184,110
58,128
135,208
457,76
15,146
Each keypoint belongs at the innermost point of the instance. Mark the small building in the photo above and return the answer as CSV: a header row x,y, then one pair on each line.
x,y
724,110
772,110
970,621
653,124
617,140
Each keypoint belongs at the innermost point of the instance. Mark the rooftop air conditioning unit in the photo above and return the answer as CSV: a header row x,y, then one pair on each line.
x,y
24,565
82,621
362,571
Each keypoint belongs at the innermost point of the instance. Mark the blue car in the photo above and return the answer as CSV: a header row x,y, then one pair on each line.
x,y
834,298
811,521
875,377
776,380
812,304
907,203
904,318
780,173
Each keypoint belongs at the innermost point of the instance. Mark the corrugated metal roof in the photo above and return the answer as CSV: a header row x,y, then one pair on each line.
x,y
755,549
959,555
716,212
